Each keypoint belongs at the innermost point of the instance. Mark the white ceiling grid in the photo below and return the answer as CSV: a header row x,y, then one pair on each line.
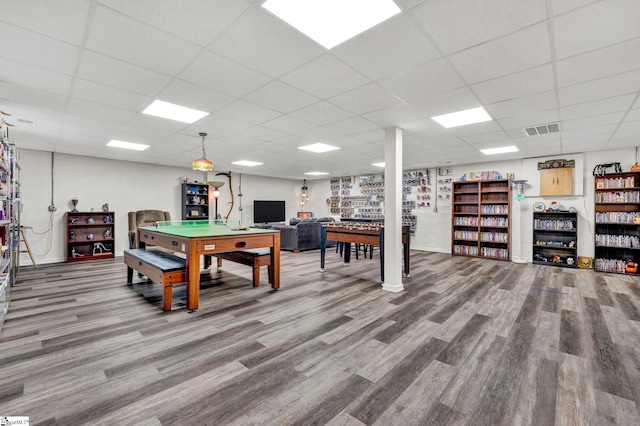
x,y
83,70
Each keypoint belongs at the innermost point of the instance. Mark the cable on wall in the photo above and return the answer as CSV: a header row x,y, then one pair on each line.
x,y
240,199
52,210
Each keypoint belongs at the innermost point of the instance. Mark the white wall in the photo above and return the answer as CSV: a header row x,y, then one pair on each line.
x,y
125,186
128,186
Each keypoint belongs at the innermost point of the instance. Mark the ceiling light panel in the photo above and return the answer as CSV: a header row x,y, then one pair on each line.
x,y
378,164
501,150
127,145
316,173
462,118
174,112
331,22
318,148
247,163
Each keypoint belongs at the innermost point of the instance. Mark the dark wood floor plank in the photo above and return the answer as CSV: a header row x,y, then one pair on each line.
x,y
571,333
394,383
468,341
609,372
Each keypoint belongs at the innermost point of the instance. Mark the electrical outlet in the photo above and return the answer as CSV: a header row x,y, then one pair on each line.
x,y
52,208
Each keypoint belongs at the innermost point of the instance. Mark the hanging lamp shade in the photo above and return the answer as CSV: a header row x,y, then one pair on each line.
x,y
202,164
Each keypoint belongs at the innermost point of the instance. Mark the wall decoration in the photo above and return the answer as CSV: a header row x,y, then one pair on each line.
x,y
556,177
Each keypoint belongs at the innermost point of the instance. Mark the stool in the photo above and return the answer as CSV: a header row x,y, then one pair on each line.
x,y
23,238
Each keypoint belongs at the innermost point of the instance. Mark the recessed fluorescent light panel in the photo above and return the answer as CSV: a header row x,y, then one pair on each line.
x,y
127,145
316,173
462,118
318,147
378,164
503,150
331,22
247,163
174,112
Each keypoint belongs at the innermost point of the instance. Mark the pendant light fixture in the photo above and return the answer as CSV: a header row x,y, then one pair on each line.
x,y
202,164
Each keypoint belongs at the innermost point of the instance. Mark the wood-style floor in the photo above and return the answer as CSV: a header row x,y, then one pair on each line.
x,y
470,341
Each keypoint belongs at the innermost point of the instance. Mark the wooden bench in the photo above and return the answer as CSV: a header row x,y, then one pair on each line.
x,y
158,266
254,258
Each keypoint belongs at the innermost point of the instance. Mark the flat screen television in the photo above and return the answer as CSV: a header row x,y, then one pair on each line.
x,y
268,211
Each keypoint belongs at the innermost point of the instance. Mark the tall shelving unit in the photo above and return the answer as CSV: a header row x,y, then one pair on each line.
x,y
617,222
9,218
480,219
555,238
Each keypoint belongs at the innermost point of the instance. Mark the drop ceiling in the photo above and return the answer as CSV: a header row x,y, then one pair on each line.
x,y
75,74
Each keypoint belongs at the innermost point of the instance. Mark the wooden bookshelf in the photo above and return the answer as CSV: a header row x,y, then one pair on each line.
x,y
480,219
617,222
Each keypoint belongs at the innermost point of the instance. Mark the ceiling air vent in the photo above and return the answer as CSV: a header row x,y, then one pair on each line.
x,y
25,121
542,129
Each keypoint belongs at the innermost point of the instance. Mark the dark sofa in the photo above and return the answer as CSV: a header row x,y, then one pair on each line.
x,y
302,234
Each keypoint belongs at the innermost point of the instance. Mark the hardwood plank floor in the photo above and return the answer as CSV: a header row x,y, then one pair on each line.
x,y
469,342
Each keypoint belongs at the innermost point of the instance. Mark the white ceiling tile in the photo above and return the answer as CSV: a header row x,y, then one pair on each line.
x,y
92,109
629,126
394,116
157,123
263,42
599,63
517,52
458,24
444,103
595,108
522,106
321,113
633,115
353,125
31,97
387,49
90,91
425,127
62,20
324,77
113,34
182,92
475,129
120,75
33,77
280,97
595,26
217,126
220,74
594,121
600,89
516,85
474,139
322,134
365,99
424,80
519,122
30,112
289,124
38,50
197,21
249,112
563,6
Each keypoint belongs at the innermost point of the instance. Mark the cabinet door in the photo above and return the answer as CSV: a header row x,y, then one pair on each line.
x,y
556,182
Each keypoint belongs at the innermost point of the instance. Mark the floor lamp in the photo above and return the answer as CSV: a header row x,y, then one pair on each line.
x,y
216,194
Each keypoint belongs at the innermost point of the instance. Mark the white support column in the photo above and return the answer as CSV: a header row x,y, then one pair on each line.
x,y
393,210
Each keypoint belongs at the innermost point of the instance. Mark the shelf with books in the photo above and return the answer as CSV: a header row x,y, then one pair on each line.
x,y
480,219
617,223
555,238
